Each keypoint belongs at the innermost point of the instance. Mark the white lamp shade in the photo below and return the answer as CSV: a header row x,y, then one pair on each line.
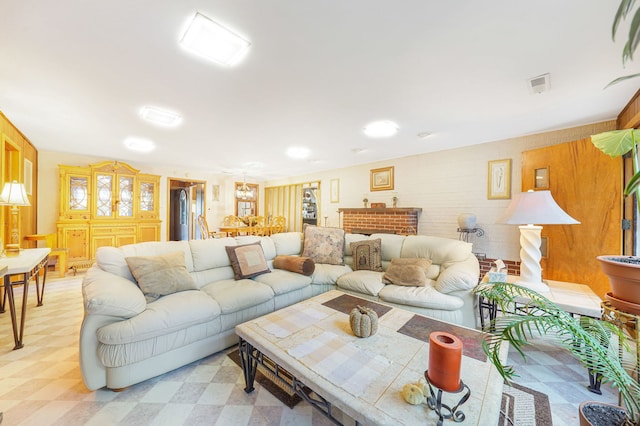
x,y
14,194
535,207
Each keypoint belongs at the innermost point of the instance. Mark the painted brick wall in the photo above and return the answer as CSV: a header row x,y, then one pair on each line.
x,y
400,222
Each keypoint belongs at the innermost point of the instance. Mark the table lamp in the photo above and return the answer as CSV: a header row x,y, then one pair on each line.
x,y
14,194
525,209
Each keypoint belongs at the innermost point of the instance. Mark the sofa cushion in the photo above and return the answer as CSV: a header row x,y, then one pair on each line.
x,y
234,296
168,314
210,253
324,245
247,260
328,274
287,242
424,297
158,276
367,255
366,282
441,251
282,282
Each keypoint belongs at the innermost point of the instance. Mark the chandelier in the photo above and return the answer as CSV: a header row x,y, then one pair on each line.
x,y
243,192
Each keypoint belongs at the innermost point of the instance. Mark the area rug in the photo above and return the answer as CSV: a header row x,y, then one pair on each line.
x,y
522,406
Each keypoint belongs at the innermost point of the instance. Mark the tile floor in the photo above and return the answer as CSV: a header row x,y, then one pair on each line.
x,y
41,383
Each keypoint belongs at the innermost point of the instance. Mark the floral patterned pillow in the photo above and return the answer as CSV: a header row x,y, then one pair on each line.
x,y
324,245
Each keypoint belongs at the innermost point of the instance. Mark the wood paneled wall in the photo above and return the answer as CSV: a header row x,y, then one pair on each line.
x,y
14,150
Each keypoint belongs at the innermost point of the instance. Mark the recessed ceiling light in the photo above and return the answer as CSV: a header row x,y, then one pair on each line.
x,y
298,152
139,144
160,117
381,129
212,41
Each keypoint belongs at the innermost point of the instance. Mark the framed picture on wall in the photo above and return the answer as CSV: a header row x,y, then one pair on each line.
x,y
499,179
382,179
335,190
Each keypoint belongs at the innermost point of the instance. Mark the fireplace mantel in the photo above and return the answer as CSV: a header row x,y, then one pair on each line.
x,y
381,210
396,220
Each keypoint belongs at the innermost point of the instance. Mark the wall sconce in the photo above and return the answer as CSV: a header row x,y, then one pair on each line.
x,y
14,194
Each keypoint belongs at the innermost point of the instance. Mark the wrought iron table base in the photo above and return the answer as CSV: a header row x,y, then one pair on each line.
x,y
443,410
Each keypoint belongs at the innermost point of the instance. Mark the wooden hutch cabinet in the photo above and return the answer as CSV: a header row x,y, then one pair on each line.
x,y
106,204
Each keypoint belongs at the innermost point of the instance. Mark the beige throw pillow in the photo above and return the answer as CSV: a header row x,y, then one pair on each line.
x,y
247,260
159,276
407,272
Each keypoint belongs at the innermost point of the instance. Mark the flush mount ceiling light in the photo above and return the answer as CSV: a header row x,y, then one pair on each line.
x,y
212,41
298,152
139,145
160,117
424,135
381,129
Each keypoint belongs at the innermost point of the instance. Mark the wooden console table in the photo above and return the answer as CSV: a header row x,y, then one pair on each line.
x,y
22,268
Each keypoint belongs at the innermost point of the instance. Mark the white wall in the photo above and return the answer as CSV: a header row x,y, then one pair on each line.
x,y
444,184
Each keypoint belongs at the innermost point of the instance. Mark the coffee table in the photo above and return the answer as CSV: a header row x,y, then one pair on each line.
x,y
313,342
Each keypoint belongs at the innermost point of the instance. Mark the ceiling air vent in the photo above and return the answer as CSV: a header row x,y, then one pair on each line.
x,y
539,84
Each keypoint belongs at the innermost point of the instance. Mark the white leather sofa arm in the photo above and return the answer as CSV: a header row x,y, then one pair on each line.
x,y
459,275
105,293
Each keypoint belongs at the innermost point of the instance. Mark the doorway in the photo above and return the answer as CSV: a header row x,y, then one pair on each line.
x,y
186,203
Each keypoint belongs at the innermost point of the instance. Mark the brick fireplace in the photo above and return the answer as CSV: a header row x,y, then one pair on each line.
x,y
381,220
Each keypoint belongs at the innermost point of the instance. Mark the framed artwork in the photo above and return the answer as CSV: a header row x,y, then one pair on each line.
x,y
335,190
499,179
542,178
382,179
215,192
28,173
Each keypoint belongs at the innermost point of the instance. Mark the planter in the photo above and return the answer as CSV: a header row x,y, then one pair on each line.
x,y
624,277
594,413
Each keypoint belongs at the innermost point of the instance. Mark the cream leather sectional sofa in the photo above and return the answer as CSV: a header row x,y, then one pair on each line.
x,y
125,340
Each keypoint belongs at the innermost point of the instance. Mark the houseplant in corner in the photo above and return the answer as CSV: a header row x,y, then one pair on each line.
x,y
586,338
623,271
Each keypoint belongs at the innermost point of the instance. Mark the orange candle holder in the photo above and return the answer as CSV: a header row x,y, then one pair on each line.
x,y
445,360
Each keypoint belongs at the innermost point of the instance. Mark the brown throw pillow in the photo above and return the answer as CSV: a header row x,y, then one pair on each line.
x,y
324,245
247,260
409,271
407,275
367,255
301,265
159,276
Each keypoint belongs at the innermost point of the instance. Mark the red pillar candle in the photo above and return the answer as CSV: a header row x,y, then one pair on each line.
x,y
445,358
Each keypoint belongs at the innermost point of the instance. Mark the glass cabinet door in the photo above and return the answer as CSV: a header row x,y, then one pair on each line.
x,y
104,195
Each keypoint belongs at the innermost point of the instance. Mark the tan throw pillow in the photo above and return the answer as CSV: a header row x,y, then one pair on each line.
x,y
247,260
159,276
324,245
408,275
409,271
367,255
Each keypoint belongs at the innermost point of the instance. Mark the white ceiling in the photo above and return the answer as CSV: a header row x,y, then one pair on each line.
x,y
74,73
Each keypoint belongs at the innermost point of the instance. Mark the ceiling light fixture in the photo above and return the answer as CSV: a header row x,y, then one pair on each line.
x,y
424,135
212,41
139,144
243,192
160,117
381,129
298,152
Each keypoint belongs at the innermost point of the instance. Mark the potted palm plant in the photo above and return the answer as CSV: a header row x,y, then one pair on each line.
x,y
586,338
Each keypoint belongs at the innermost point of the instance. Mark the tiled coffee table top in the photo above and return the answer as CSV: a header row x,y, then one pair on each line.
x,y
364,377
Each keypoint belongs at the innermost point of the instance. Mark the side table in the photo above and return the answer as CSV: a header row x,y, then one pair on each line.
x,y
577,299
24,266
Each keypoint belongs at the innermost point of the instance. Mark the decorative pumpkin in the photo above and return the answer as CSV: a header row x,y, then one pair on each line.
x,y
363,321
412,394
